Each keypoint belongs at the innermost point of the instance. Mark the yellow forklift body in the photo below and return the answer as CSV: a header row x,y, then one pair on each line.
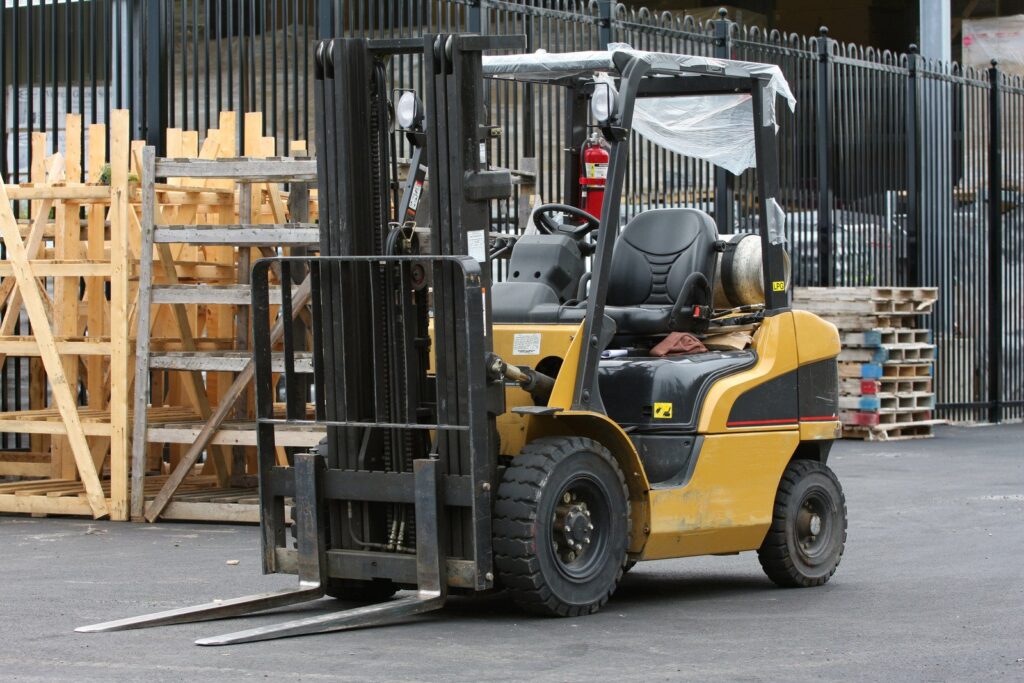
x,y
726,505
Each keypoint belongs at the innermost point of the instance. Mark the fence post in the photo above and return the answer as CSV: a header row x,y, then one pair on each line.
x,y
604,23
156,84
912,131
995,247
823,142
724,180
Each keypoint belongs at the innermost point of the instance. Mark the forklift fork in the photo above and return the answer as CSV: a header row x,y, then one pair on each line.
x,y
312,569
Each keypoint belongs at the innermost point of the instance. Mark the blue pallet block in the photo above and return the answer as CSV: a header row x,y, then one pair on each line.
x,y
871,371
880,355
869,403
872,338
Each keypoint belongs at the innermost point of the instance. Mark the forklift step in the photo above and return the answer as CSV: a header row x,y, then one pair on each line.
x,y
242,169
235,295
223,361
244,235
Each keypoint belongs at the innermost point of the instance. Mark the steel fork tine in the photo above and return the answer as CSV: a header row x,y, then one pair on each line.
x,y
360,617
234,607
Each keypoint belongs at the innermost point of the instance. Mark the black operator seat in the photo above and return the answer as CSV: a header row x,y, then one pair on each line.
x,y
662,254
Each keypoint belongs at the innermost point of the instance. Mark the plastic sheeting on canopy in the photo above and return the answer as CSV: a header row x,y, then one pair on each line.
x,y
717,128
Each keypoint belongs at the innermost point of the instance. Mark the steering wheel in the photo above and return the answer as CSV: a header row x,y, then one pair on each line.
x,y
547,226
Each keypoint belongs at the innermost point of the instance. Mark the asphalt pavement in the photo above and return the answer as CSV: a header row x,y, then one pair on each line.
x,y
931,588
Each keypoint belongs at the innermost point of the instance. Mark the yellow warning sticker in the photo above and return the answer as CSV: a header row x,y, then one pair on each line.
x,y
779,286
662,411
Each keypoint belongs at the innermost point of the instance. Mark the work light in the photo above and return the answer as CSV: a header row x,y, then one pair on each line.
x,y
410,110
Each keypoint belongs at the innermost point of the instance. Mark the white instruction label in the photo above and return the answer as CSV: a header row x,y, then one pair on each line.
x,y
526,344
476,243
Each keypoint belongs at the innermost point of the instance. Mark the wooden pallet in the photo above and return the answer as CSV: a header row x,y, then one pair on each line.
x,y
895,432
848,370
890,353
855,386
884,401
883,417
874,338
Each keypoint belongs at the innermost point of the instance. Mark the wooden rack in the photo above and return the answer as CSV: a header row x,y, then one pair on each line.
x,y
218,432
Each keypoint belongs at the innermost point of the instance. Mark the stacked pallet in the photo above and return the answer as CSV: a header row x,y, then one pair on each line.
x,y
887,361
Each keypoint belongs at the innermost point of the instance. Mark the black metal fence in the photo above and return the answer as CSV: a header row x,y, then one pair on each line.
x,y
895,171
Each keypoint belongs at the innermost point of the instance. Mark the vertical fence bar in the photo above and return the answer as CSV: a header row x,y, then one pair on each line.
x,y
724,180
823,130
604,23
156,76
912,132
995,246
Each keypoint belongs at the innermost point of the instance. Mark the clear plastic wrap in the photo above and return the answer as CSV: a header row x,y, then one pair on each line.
x,y
716,128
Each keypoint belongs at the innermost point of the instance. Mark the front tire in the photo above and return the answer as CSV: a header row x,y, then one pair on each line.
x,y
807,537
561,526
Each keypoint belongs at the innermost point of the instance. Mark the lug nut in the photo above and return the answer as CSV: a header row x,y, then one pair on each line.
x,y
590,527
571,556
567,497
586,541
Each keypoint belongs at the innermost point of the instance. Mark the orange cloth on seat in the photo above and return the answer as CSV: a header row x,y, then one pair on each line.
x,y
677,343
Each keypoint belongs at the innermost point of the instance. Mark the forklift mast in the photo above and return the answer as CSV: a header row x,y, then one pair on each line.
x,y
392,404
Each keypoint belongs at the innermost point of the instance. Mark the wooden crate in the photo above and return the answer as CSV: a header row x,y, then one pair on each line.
x,y
74,267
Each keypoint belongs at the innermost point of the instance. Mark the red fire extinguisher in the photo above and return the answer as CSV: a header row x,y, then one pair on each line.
x,y
594,167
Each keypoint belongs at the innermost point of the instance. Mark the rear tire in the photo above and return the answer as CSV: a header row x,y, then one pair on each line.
x,y
561,526
807,537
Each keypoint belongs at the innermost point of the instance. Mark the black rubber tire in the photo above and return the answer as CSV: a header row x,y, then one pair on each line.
x,y
784,559
352,590
531,490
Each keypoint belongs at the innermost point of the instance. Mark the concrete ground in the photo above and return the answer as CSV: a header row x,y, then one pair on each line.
x,y
931,588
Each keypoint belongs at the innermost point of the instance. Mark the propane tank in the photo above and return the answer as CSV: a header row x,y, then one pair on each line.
x,y
594,166
740,280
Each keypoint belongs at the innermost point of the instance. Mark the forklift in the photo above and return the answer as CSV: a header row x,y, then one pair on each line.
x,y
522,435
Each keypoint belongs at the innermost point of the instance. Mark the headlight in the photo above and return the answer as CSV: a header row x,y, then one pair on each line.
x,y
409,111
602,102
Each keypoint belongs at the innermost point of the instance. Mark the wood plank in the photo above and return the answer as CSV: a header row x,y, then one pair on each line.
x,y
236,435
29,346
223,361
44,505
120,358
231,513
95,296
210,294
83,193
67,268
304,234
281,169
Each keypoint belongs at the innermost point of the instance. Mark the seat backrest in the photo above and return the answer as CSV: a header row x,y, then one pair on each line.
x,y
655,254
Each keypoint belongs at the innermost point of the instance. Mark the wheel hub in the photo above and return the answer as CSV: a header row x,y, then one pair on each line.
x,y
573,528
